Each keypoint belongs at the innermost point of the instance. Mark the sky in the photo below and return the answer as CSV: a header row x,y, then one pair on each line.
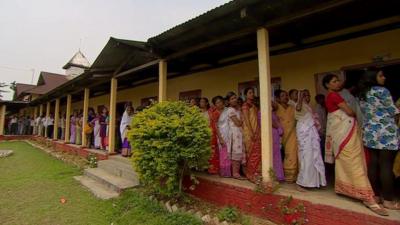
x,y
43,35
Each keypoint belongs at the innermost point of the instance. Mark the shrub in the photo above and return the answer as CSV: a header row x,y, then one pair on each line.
x,y
168,140
229,214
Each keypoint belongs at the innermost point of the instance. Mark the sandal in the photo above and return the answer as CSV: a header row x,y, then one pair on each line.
x,y
239,177
391,205
377,209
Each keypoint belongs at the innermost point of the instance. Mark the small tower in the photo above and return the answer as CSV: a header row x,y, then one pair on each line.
x,y
76,66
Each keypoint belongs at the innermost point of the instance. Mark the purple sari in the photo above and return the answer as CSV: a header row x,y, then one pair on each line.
x,y
276,154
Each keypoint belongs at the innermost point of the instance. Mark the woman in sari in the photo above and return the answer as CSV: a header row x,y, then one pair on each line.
x,y
285,112
212,115
103,128
251,133
277,132
223,134
124,128
96,131
73,128
78,129
344,147
312,168
381,135
230,124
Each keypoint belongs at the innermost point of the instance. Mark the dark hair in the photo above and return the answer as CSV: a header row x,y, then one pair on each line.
x,y
229,95
327,78
319,96
216,98
291,91
205,99
247,90
278,92
368,80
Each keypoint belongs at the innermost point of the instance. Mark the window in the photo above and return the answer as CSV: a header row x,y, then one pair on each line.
x,y
187,95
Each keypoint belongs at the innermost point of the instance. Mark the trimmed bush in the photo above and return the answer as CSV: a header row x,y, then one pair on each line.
x,y
168,140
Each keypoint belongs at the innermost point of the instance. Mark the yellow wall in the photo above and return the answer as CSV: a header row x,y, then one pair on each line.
x,y
296,70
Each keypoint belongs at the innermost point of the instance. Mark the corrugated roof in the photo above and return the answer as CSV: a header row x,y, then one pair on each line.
x,y
117,51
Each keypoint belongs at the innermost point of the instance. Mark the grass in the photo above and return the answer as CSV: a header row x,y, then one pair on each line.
x,y
32,184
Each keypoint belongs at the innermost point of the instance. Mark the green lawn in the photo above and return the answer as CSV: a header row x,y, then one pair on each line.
x,y
32,183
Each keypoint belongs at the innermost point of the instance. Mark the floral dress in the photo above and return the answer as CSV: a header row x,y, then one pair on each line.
x,y
380,128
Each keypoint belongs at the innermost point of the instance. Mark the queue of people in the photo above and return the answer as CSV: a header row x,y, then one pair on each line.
x,y
343,128
354,128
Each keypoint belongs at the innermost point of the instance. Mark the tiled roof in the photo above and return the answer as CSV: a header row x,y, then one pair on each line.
x,y
47,82
20,88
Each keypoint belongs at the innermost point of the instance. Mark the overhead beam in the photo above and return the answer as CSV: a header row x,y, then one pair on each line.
x,y
138,68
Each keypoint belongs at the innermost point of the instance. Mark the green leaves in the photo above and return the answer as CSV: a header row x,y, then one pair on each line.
x,y
168,140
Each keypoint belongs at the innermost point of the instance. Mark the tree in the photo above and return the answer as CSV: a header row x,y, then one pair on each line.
x,y
13,87
2,85
169,140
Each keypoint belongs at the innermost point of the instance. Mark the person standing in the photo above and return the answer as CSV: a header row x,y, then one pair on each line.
x,y
277,132
381,135
215,113
312,168
207,112
252,135
286,112
14,125
73,121
103,128
96,131
235,142
344,148
124,128
293,97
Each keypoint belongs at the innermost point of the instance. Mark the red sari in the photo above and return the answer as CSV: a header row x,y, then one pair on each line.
x,y
214,159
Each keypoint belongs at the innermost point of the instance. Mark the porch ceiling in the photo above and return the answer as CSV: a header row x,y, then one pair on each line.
x,y
207,41
227,35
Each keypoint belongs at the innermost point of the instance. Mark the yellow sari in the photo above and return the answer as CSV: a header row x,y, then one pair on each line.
x,y
289,141
344,145
249,126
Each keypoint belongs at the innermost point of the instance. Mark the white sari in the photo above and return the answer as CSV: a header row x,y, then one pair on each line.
x,y
96,133
125,121
312,168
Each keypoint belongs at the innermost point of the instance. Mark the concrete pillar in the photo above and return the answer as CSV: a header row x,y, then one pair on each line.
x,y
56,119
40,130
2,118
112,115
85,114
35,112
265,102
68,119
47,116
41,109
162,81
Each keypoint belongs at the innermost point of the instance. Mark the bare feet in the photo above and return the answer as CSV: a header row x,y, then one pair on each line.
x,y
374,207
391,205
300,188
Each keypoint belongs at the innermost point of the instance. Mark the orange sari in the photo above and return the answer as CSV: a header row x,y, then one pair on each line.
x,y
252,143
214,159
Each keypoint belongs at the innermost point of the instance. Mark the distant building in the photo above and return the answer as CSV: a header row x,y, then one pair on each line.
x,y
76,66
48,81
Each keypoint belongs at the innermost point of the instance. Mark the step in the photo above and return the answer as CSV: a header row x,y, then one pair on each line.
x,y
98,189
112,182
118,169
121,159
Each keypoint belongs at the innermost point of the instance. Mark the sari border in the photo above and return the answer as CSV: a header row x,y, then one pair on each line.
x,y
347,139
